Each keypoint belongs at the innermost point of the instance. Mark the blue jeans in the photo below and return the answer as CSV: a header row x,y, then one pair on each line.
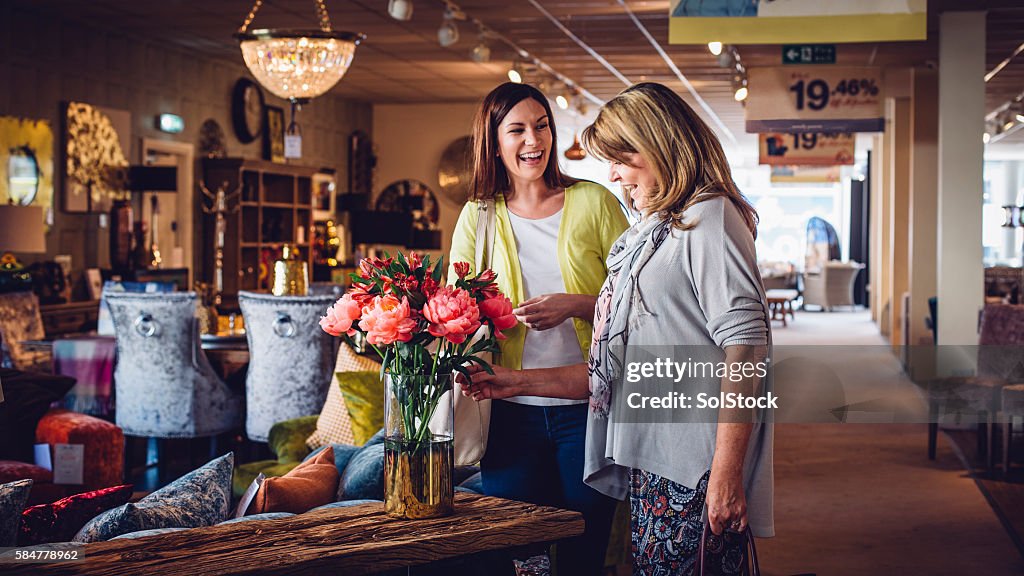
x,y
535,454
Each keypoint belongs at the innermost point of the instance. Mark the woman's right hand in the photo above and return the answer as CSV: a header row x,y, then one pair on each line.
x,y
483,386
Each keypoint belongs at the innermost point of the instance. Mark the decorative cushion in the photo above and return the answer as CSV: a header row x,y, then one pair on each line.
x,y
27,397
364,475
58,522
144,533
343,453
200,498
334,427
473,484
347,504
311,484
13,497
288,438
264,516
11,471
364,399
103,442
246,473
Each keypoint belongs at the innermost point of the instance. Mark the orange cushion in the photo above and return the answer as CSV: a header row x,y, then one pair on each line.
x,y
310,484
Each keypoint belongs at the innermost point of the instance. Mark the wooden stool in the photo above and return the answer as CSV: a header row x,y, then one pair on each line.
x,y
780,303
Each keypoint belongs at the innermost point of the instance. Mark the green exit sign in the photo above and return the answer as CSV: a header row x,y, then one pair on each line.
x,y
809,54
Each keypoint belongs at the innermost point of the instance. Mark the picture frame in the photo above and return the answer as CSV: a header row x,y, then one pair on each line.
x,y
273,134
324,188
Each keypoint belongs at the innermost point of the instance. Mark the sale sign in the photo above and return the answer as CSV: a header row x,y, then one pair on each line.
x,y
809,149
815,99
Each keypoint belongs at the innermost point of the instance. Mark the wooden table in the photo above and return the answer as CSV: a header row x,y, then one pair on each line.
x,y
780,302
356,540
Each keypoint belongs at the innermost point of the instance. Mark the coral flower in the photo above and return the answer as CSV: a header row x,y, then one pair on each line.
x,y
387,321
499,310
340,316
452,314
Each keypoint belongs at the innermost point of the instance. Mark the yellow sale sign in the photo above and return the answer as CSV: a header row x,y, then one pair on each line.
x,y
809,149
815,99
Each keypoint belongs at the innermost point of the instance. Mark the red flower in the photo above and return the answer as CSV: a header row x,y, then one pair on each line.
x,y
486,276
499,310
387,320
452,314
461,268
429,286
365,269
361,293
414,260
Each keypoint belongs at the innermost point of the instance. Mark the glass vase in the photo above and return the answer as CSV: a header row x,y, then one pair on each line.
x,y
418,445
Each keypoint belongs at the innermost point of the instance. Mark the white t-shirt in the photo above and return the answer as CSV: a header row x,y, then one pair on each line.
x,y
537,245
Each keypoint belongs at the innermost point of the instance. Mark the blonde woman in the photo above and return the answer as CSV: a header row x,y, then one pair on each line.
x,y
684,276
552,234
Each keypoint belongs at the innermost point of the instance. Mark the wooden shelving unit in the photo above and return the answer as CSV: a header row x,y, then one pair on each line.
x,y
274,208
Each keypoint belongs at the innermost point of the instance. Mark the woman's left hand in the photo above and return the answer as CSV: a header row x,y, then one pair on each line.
x,y
726,502
549,310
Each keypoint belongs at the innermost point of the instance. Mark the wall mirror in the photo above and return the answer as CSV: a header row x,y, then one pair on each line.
x,y
23,176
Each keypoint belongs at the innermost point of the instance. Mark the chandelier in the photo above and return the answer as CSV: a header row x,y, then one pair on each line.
x,y
294,64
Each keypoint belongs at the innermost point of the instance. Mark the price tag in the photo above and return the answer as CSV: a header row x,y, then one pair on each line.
x,y
292,146
68,460
808,149
815,99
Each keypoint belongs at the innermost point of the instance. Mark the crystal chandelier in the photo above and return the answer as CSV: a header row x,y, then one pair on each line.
x,y
297,65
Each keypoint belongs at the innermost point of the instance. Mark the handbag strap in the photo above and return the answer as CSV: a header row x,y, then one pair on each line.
x,y
484,234
753,568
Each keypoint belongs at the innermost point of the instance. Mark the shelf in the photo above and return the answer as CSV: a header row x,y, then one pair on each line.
x,y
277,205
271,244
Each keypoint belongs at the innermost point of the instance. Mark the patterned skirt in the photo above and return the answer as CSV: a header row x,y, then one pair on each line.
x,y
667,527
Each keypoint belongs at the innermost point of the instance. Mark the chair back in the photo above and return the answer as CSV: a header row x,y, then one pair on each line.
x,y
1001,342
291,358
164,385
20,320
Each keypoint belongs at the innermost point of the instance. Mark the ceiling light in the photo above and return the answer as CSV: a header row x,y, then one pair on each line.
x,y
986,137
481,52
400,9
741,93
515,73
715,48
448,33
562,101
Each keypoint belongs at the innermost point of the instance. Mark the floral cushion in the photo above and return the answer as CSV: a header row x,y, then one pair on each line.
x,y
311,484
13,497
58,522
200,498
364,475
334,425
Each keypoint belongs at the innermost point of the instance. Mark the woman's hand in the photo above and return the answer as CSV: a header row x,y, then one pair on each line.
x,y
484,386
726,502
549,310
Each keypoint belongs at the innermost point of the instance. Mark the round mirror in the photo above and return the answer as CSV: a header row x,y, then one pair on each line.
x,y
22,176
456,170
413,197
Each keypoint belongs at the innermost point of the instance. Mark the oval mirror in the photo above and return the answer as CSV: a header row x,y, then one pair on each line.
x,y
22,176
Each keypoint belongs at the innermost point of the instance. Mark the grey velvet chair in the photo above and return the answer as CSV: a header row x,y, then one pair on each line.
x,y
290,359
164,384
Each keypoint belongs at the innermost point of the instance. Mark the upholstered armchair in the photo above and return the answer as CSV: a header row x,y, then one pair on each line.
x,y
20,320
164,384
291,359
832,285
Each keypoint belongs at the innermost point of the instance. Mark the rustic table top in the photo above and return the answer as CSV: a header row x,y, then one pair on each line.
x,y
355,540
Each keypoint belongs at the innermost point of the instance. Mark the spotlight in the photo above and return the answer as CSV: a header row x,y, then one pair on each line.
x,y
400,9
481,52
986,137
562,102
715,48
726,59
448,33
741,92
515,73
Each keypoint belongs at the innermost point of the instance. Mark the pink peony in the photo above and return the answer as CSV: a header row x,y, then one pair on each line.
x,y
453,314
499,310
386,321
340,317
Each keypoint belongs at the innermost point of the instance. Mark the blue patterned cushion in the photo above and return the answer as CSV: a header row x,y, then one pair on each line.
x,y
13,497
473,484
142,533
343,453
346,504
264,516
200,498
364,476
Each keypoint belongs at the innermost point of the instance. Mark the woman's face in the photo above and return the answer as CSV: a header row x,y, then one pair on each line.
x,y
636,177
524,141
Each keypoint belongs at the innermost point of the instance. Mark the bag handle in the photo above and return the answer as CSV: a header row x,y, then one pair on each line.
x,y
484,234
753,568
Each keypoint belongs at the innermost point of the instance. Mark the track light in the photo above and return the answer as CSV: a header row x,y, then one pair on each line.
x,y
563,99
448,33
400,9
481,52
986,137
715,48
741,94
515,73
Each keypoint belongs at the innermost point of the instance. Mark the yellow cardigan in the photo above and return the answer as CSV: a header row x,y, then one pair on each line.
x,y
591,222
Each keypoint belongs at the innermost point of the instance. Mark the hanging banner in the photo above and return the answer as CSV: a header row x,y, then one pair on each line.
x,y
815,99
805,174
808,149
796,21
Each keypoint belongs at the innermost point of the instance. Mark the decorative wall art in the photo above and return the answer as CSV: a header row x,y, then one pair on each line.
x,y
26,162
273,135
94,159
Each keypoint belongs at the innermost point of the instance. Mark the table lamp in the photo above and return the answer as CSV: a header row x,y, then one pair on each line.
x,y
21,231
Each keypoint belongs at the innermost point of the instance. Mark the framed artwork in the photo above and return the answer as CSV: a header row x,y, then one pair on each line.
x,y
96,146
323,195
273,135
26,162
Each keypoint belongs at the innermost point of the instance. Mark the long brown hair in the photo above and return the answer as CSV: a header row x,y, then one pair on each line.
x,y
489,174
685,156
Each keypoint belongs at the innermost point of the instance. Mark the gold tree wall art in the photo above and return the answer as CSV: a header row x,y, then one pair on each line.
x,y
95,162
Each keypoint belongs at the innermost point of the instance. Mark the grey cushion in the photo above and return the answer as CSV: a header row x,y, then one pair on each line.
x,y
13,497
143,533
364,476
264,516
200,498
473,484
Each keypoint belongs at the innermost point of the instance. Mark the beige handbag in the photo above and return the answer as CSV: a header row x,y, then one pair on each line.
x,y
473,418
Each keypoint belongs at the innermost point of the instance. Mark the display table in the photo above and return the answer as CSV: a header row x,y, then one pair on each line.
x,y
356,540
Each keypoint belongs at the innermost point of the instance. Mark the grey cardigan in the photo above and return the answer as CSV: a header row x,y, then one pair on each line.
x,y
700,288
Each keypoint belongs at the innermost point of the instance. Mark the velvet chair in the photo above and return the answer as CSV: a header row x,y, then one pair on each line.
x,y
20,320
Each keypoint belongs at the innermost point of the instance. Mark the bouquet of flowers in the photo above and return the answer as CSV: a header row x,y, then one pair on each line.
x,y
420,327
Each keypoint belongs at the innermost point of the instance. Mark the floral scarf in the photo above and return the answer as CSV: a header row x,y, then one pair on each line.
x,y
619,306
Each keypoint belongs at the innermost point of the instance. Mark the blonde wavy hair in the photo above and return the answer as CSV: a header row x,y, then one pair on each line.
x,y
685,156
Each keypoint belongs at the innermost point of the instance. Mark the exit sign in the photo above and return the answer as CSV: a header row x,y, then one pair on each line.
x,y
809,54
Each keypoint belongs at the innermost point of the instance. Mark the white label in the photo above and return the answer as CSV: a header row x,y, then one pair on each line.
x,y
68,462
250,494
292,146
42,452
